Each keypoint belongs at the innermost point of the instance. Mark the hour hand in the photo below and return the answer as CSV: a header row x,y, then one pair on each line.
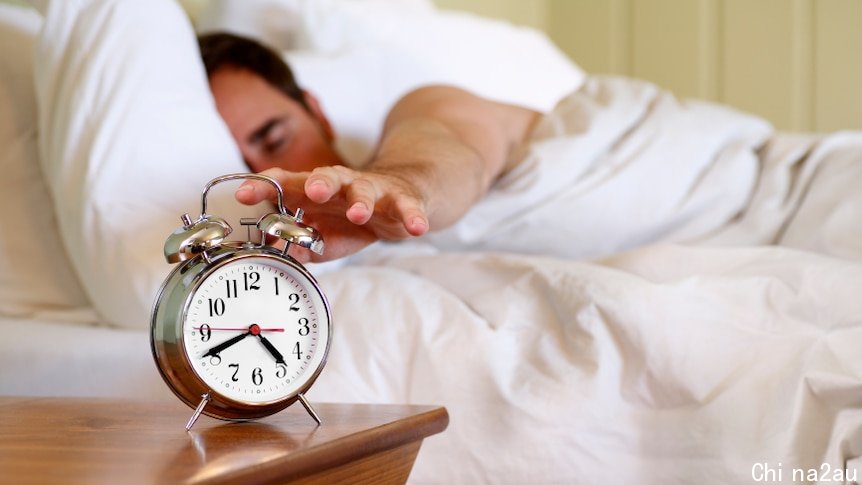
x,y
279,359
227,343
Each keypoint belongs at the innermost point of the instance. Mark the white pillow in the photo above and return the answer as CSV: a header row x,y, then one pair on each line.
x,y
360,56
280,23
129,135
36,277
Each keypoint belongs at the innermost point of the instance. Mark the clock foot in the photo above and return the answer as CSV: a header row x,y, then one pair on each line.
x,y
204,400
308,408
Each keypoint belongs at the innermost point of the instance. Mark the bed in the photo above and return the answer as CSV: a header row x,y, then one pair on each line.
x,y
708,334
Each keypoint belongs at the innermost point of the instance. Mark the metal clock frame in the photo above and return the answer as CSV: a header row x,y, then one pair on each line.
x,y
174,297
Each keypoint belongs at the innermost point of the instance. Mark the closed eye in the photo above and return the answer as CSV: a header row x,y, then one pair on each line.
x,y
271,136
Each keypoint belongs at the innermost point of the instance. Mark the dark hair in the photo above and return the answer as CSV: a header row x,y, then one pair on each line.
x,y
221,49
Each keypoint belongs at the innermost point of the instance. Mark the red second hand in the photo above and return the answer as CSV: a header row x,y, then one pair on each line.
x,y
241,329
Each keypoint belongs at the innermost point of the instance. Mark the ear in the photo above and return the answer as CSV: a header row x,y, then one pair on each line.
x,y
317,112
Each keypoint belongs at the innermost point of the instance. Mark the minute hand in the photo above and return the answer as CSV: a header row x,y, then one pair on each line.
x,y
227,343
279,359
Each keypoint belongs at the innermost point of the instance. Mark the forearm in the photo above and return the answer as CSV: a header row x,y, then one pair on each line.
x,y
448,175
451,146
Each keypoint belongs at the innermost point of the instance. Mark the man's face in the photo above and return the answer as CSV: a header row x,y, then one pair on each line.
x,y
271,129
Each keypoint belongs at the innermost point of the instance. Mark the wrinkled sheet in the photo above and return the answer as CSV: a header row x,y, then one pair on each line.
x,y
668,364
671,347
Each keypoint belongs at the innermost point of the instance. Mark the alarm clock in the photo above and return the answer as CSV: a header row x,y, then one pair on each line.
x,y
240,330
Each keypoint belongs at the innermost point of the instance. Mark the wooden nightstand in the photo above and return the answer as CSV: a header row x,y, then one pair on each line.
x,y
64,440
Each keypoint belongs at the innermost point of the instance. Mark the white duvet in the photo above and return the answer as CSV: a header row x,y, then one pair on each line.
x,y
668,364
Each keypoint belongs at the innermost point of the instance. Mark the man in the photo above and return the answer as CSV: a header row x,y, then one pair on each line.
x,y
617,164
440,151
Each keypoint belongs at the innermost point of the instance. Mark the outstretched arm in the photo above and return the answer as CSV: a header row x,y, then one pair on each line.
x,y
440,151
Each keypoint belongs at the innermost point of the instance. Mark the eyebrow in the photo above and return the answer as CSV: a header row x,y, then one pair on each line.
x,y
260,133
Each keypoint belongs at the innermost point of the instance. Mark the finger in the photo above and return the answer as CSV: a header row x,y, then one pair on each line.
x,y
254,191
248,193
325,182
361,198
245,194
412,215
338,245
300,254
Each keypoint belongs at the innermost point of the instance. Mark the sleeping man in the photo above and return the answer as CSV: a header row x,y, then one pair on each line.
x,y
440,151
616,164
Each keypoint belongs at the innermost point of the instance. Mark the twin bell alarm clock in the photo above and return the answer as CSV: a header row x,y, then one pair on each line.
x,y
240,330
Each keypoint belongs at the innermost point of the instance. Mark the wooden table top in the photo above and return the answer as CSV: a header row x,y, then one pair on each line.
x,y
73,440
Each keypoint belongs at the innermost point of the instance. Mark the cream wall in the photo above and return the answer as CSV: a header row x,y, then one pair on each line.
x,y
796,62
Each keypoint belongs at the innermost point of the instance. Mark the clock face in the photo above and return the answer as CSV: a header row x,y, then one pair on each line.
x,y
256,330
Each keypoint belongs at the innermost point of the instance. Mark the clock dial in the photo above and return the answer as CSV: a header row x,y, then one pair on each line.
x,y
256,330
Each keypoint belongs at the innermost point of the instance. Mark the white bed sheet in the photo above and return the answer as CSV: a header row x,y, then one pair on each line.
x,y
667,364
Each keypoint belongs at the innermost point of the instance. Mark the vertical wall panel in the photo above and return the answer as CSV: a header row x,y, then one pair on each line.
x,y
765,70
594,33
710,26
621,34
838,65
802,69
674,45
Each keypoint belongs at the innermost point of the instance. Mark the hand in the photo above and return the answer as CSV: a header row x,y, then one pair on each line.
x,y
227,343
279,359
350,208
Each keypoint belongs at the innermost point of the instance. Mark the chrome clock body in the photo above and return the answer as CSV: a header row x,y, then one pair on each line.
x,y
240,330
179,359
